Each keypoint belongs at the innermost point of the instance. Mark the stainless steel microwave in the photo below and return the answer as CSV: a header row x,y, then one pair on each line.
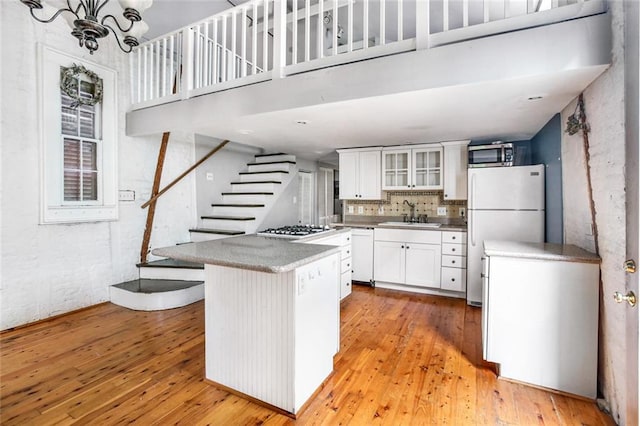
x,y
496,154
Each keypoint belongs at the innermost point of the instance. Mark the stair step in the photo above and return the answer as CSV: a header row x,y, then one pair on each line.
x,y
247,193
217,231
171,269
171,263
274,157
238,205
271,166
238,218
264,171
265,175
147,286
156,294
256,186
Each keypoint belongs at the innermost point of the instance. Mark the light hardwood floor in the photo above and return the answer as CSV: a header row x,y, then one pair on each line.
x,y
404,359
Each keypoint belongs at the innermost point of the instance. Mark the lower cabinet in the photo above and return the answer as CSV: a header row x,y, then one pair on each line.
x,y
362,254
407,257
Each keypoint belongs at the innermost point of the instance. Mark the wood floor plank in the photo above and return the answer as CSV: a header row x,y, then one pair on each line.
x,y
405,359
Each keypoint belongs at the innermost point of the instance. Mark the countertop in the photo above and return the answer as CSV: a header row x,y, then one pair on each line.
x,y
443,227
541,251
252,252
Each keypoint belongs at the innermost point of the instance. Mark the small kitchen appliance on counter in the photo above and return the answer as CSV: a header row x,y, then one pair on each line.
x,y
294,231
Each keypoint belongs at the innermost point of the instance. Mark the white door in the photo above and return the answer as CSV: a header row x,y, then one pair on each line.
x,y
348,175
632,118
362,254
496,225
389,261
369,171
305,198
422,264
506,188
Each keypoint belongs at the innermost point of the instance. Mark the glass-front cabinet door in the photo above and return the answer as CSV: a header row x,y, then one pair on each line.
x,y
396,169
427,168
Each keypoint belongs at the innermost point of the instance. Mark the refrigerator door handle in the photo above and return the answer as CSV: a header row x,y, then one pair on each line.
x,y
473,237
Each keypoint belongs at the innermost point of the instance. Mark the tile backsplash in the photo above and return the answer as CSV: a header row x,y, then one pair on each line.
x,y
427,202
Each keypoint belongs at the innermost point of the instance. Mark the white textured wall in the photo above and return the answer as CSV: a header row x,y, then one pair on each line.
x,y
51,269
604,101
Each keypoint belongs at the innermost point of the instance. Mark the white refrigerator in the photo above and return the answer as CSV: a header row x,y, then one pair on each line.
x,y
504,203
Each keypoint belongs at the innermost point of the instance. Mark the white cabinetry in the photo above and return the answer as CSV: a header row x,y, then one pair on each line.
x,y
540,316
455,170
362,254
342,240
360,174
407,257
454,261
417,168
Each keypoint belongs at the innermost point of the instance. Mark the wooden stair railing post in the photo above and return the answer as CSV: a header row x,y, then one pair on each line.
x,y
156,183
186,172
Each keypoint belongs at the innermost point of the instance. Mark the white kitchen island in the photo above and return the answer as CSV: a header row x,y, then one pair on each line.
x,y
272,316
540,314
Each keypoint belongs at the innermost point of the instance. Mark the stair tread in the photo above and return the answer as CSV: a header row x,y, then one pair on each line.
x,y
216,231
247,193
272,162
271,155
263,172
261,181
146,285
228,217
237,205
171,263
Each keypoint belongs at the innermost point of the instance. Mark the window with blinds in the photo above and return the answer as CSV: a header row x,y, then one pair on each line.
x,y
81,137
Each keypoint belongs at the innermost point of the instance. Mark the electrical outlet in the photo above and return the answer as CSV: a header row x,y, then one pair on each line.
x,y
588,228
442,211
360,209
209,176
350,209
462,212
380,210
126,195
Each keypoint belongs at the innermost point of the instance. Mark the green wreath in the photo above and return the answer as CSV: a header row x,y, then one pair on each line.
x,y
69,85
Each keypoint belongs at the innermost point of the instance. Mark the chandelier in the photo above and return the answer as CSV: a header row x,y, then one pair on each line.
x,y
83,16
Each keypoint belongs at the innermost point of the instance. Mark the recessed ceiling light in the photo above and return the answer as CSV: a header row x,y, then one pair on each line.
x,y
534,98
302,122
245,131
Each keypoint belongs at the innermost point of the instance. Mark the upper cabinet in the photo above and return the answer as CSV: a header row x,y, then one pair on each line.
x,y
360,174
455,170
419,167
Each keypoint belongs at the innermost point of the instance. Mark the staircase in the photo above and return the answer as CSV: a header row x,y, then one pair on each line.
x,y
168,283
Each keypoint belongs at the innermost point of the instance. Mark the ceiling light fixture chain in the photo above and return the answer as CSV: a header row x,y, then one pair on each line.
x,y
88,27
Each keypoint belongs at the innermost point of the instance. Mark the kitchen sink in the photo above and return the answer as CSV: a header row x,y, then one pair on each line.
x,y
412,225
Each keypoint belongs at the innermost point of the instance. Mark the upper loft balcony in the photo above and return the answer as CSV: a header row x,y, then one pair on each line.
x,y
406,70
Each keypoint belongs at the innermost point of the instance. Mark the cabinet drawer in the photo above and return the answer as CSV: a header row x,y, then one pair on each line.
x,y
454,261
407,236
345,284
454,249
454,237
346,251
346,265
454,279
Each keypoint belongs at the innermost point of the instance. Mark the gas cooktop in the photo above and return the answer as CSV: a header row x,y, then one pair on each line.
x,y
295,231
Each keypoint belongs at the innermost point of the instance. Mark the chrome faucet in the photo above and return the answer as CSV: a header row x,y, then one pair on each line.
x,y
412,216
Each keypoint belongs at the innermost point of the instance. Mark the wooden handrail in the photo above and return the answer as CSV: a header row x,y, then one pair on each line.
x,y
186,172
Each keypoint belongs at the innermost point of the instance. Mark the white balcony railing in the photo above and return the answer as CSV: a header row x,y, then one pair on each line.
x,y
261,39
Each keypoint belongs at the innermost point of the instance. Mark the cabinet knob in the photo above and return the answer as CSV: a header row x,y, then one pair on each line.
x,y
446,195
407,247
401,246
453,238
413,186
453,249
453,262
453,279
408,186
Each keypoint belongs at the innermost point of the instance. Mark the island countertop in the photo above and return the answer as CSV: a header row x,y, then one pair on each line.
x,y
252,252
541,251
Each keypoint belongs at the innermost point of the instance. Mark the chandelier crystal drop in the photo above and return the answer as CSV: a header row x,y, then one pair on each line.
x,y
87,24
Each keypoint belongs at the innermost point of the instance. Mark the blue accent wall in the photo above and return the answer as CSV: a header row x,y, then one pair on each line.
x,y
546,149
